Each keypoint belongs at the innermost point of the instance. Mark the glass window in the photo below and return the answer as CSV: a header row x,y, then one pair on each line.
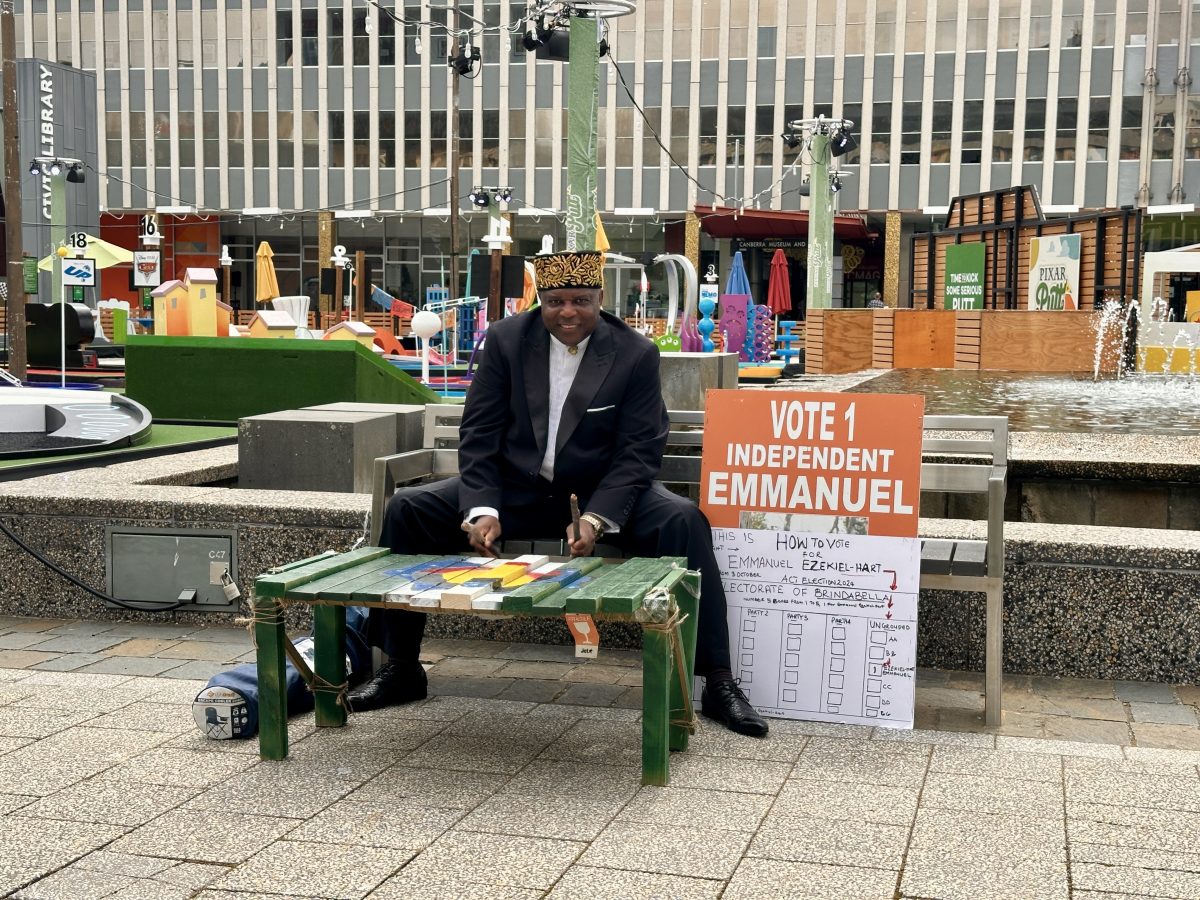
x,y
283,35
825,26
1191,146
387,37
1002,130
1163,135
362,140
797,12
972,131
914,30
1072,23
946,36
337,134
1104,23
977,24
233,38
856,19
735,131
681,24
308,37
284,130
1135,23
333,40
680,118
236,140
885,26
651,154
940,130
183,41
1168,22
707,151
362,40
1068,115
543,140
853,112
1009,25
185,124
310,128
212,139
1098,110
260,139
766,41
1035,130
765,138
881,132
209,44
910,133
1131,127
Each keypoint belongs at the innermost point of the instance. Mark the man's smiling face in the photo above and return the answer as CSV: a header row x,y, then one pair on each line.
x,y
570,314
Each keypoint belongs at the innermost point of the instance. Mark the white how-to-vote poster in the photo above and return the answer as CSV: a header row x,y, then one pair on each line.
x,y
823,626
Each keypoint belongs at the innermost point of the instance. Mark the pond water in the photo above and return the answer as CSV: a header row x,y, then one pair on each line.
x,y
1054,402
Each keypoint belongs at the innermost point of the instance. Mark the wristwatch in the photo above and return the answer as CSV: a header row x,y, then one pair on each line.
x,y
597,523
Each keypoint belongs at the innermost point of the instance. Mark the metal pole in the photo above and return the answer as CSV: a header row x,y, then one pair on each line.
x,y
820,225
360,290
12,196
452,135
495,303
58,239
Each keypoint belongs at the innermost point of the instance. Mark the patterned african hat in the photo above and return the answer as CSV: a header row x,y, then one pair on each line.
x,y
568,270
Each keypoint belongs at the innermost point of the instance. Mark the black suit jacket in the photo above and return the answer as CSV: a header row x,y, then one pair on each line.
x,y
611,436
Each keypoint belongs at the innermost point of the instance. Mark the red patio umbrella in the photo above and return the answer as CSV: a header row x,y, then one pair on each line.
x,y
779,286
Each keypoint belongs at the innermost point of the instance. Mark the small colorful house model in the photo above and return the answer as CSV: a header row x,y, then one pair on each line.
x,y
352,331
224,319
171,308
272,323
202,302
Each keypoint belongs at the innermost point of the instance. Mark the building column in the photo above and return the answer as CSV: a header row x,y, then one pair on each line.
x,y
891,260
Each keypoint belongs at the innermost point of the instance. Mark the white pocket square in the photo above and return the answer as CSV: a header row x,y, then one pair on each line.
x,y
603,408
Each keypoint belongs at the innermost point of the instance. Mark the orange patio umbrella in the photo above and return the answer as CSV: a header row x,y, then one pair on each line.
x,y
266,285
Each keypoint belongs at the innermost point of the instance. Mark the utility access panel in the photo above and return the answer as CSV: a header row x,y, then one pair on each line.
x,y
155,566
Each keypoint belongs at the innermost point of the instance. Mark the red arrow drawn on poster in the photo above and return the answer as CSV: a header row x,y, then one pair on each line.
x,y
893,572
887,663
888,614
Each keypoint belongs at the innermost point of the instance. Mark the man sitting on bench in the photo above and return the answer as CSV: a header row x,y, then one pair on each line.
x,y
566,400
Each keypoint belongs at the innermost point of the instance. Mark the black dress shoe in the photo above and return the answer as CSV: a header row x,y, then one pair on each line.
x,y
392,685
724,701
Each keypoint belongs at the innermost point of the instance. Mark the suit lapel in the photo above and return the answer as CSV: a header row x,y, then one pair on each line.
x,y
593,369
536,362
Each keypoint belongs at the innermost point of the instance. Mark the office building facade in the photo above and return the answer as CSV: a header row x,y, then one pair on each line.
x,y
236,107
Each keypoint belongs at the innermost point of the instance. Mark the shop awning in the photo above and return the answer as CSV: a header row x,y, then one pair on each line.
x,y
720,222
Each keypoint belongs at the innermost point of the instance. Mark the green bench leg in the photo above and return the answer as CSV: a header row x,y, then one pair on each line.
x,y
656,706
329,663
687,596
272,683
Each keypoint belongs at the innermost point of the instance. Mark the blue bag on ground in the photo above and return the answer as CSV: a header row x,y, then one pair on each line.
x,y
228,706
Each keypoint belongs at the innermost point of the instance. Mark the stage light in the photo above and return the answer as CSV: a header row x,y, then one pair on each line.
x,y
479,198
35,168
504,195
835,183
841,142
55,168
531,41
75,174
804,189
791,140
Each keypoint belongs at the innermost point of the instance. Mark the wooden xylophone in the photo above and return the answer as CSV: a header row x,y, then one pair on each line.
x,y
659,593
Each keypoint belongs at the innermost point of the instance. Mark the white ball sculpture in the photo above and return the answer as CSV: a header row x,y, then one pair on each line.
x,y
425,324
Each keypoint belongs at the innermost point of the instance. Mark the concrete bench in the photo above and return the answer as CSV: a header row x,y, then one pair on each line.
x,y
966,455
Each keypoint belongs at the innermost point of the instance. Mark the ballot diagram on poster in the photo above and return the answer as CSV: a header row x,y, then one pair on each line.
x,y
823,626
814,503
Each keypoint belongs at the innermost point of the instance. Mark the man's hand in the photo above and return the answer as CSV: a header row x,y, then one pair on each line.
x,y
483,534
587,539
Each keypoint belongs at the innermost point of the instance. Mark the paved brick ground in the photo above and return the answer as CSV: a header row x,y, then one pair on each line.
x,y
519,779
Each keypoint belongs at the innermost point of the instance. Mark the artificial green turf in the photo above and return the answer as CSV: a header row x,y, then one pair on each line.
x,y
160,436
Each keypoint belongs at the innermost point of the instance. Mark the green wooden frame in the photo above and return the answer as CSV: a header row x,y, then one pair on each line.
x,y
332,582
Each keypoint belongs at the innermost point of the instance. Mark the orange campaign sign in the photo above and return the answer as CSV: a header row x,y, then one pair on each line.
x,y
793,461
